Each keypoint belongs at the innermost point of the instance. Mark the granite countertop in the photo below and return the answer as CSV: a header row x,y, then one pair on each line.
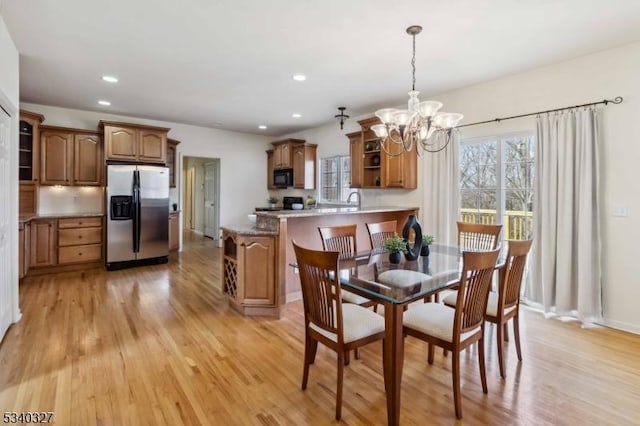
x,y
332,210
27,217
247,229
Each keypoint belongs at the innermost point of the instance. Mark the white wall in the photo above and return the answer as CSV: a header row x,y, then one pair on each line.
x,y
9,98
70,199
607,74
243,163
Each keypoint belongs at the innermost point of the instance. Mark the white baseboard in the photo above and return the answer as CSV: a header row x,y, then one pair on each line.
x,y
619,325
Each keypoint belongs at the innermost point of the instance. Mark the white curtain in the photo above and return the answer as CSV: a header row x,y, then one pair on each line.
x,y
441,191
566,257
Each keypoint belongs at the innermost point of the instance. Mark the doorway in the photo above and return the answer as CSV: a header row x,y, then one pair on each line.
x,y
201,195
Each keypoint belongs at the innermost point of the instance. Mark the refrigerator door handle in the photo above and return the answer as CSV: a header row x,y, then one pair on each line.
x,y
136,211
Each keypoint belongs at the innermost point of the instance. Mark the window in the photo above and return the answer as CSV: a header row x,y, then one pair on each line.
x,y
496,183
335,176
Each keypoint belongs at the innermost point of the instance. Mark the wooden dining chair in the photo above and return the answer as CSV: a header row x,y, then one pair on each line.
x,y
343,240
338,326
478,237
455,329
380,231
504,304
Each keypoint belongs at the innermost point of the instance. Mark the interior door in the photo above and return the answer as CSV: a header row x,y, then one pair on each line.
x,y
8,286
210,200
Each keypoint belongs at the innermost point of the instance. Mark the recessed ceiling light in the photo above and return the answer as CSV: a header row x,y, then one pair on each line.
x,y
262,127
299,77
105,103
109,79
296,115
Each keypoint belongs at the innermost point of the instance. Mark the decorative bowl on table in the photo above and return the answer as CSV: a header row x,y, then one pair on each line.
x,y
297,206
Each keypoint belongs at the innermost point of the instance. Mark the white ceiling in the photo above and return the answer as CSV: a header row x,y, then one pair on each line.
x,y
228,63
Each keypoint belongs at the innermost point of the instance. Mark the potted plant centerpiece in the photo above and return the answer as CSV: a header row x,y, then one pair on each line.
x,y
426,241
395,245
273,201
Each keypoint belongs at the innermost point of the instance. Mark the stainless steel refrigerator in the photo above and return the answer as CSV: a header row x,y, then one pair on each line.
x,y
138,215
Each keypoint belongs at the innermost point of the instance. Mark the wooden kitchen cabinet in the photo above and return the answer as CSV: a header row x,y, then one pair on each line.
x,y
304,166
87,159
70,157
43,243
174,231
283,153
135,143
21,242
270,184
28,198
79,240
374,167
56,149
356,153
172,158
249,273
29,146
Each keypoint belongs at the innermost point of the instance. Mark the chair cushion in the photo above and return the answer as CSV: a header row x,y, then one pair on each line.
x,y
433,319
492,303
349,297
451,299
358,323
402,278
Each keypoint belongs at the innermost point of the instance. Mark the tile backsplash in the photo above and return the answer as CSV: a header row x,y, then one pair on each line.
x,y
70,199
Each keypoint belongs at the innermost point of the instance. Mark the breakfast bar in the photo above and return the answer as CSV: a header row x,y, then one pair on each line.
x,y
275,281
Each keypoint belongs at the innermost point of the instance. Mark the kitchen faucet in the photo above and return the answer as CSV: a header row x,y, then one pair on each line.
x,y
357,194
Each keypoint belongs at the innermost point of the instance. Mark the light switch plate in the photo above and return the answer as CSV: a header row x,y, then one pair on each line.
x,y
619,211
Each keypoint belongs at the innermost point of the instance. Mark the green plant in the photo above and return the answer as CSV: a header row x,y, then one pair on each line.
x,y
395,243
273,200
427,239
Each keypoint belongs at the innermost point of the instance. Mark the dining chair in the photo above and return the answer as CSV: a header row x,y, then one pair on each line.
x,y
504,304
340,327
380,231
456,329
343,240
478,237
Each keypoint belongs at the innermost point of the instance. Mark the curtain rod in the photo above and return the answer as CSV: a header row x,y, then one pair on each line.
x,y
617,100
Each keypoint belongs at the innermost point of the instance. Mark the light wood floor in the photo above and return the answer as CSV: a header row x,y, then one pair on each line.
x,y
159,346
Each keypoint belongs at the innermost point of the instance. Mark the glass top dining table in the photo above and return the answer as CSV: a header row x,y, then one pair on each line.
x,y
371,275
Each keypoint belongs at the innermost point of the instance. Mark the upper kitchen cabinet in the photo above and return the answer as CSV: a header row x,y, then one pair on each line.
x,y
356,153
29,146
283,153
172,158
87,159
70,157
134,143
56,147
304,166
374,167
270,183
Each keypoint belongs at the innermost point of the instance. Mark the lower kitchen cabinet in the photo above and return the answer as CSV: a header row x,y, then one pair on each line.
x,y
249,273
43,242
48,245
79,240
174,231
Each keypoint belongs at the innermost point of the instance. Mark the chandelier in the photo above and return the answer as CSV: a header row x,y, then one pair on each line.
x,y
418,123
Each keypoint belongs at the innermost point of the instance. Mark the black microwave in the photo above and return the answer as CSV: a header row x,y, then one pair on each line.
x,y
283,177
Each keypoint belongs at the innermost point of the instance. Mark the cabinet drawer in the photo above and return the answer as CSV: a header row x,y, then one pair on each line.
x,y
75,236
79,222
77,254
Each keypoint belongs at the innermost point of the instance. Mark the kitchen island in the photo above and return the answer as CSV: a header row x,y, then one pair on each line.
x,y
283,227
